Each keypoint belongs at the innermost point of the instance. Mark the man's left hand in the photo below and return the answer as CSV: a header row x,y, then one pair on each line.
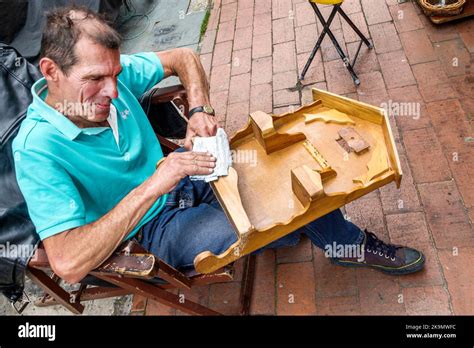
x,y
202,125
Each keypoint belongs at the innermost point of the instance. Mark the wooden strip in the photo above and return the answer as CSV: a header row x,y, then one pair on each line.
x,y
228,186
392,151
247,284
172,276
154,293
39,258
89,294
54,290
329,116
349,106
326,171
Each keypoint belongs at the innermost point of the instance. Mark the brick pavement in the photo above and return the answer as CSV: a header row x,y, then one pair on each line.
x,y
254,50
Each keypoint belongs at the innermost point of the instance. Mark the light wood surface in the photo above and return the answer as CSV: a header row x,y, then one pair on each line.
x,y
302,170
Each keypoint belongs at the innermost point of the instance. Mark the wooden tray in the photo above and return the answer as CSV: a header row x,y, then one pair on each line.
x,y
309,163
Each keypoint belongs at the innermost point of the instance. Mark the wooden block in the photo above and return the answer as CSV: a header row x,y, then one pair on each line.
x,y
268,137
306,184
353,140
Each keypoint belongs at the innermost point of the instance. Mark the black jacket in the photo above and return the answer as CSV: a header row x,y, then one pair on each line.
x,y
16,229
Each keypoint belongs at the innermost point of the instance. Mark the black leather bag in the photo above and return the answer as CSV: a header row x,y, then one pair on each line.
x,y
18,239
165,119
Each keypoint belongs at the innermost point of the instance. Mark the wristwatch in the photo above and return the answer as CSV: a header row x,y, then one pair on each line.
x,y
205,108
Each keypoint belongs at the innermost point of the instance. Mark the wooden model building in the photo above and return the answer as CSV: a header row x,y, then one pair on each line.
x,y
308,163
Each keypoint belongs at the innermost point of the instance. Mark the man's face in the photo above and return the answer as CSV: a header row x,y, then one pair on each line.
x,y
91,83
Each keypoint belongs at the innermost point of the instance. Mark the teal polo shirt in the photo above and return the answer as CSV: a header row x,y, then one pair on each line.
x,y
73,176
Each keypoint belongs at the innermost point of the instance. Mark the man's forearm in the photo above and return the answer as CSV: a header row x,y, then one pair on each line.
x,y
186,64
87,247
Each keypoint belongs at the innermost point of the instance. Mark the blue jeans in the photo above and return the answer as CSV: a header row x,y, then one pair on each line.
x,y
193,221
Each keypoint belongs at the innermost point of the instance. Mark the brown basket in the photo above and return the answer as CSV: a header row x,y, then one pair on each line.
x,y
452,9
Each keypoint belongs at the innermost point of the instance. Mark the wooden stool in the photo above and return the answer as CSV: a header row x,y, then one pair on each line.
x,y
326,30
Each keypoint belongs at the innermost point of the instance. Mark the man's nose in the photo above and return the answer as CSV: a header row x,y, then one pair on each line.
x,y
110,89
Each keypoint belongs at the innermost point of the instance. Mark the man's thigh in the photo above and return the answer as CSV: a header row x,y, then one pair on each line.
x,y
191,193
182,233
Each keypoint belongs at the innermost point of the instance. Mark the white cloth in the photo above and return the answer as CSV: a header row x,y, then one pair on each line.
x,y
218,146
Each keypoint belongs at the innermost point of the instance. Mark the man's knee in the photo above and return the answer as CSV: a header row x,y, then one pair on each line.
x,y
218,231
199,229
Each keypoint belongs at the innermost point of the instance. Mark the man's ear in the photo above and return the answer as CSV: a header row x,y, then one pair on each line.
x,y
49,69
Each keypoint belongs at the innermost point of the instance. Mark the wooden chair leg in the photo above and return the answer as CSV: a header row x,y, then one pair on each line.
x,y
91,293
155,293
54,290
247,284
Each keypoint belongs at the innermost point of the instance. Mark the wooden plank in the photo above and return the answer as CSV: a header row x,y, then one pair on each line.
x,y
227,187
54,290
89,294
154,293
247,284
392,151
349,106
172,275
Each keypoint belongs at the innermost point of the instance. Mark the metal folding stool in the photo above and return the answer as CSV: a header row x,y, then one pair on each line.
x,y
326,30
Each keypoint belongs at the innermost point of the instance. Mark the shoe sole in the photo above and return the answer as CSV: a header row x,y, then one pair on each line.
x,y
414,267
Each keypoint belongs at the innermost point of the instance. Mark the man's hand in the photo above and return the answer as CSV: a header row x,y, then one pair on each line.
x,y
185,63
202,125
73,253
178,165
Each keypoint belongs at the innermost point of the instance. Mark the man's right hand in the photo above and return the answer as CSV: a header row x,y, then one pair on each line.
x,y
178,165
74,252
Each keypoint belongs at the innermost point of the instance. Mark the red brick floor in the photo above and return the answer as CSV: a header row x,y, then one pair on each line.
x,y
253,52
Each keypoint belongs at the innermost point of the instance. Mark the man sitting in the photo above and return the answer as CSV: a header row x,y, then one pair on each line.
x,y
86,153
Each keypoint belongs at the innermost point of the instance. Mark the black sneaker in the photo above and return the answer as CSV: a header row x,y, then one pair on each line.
x,y
388,258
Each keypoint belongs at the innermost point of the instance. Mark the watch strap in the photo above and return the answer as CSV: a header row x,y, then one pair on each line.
x,y
201,109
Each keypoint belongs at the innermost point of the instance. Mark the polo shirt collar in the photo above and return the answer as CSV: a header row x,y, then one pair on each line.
x,y
55,118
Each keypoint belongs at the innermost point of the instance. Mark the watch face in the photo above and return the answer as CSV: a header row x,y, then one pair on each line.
x,y
208,109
